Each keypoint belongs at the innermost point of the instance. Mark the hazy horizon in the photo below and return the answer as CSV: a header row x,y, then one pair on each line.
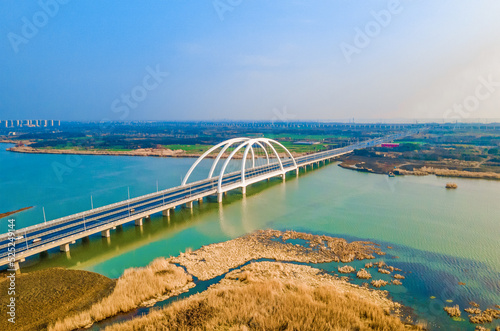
x,y
254,61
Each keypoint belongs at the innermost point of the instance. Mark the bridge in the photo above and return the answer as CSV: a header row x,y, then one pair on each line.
x,y
276,161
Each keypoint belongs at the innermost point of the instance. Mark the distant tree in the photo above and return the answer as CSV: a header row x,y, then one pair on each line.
x,y
494,151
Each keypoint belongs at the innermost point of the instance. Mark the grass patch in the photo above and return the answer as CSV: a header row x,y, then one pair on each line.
x,y
46,295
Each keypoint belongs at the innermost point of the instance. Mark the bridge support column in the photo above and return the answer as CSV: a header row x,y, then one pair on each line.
x,y
64,248
189,204
15,267
219,197
244,190
200,201
105,233
297,172
138,222
283,177
166,212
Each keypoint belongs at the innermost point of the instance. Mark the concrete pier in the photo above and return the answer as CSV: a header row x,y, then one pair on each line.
x,y
64,248
15,266
138,222
166,212
244,190
219,197
105,233
189,204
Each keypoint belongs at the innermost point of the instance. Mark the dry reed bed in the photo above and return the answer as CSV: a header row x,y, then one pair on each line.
x,y
424,171
216,259
275,296
453,311
158,281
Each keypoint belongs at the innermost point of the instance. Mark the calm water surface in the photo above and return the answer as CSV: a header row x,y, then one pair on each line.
x,y
440,237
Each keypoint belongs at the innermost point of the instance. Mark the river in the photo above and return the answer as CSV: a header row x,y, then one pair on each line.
x,y
440,237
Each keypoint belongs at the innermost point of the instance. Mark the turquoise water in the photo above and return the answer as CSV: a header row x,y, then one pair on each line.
x,y
440,237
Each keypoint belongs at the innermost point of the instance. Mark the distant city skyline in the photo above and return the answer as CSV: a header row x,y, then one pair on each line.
x,y
256,61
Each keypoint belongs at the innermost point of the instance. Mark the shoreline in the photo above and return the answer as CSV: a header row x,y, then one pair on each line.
x,y
2,215
152,152
424,169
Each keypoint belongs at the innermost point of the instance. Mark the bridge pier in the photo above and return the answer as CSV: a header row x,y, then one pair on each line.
x,y
244,190
219,197
200,201
14,266
189,204
166,212
64,248
283,177
138,222
105,233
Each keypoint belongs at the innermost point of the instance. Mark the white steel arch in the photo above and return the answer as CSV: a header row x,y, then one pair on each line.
x,y
279,168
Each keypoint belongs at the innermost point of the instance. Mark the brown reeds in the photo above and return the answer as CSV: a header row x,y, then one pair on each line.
x,y
159,280
269,305
378,283
363,274
453,311
346,269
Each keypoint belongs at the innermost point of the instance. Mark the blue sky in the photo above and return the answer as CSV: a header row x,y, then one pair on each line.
x,y
249,60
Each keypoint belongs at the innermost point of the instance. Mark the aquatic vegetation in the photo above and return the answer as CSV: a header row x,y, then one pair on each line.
x,y
384,271
473,310
451,185
368,265
378,283
216,259
398,276
453,311
280,296
396,282
346,269
363,274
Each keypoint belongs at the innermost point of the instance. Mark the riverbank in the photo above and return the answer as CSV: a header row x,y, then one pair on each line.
x,y
386,165
250,282
154,152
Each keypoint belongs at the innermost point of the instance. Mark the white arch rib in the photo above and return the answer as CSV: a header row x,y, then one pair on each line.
x,y
248,144
223,150
221,176
230,141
